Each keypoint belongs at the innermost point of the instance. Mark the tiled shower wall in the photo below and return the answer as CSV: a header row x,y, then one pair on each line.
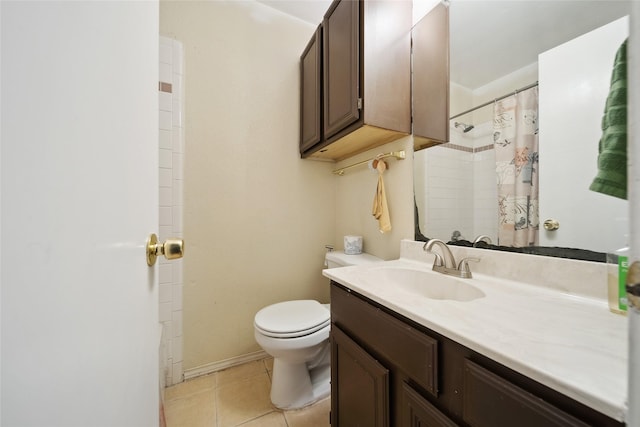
x,y
171,152
449,188
485,189
461,188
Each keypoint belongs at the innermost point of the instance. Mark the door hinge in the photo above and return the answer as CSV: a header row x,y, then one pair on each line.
x,y
359,103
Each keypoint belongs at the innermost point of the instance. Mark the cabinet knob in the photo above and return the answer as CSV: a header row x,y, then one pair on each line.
x,y
551,225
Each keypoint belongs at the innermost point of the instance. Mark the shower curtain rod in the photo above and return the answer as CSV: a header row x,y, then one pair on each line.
x,y
496,100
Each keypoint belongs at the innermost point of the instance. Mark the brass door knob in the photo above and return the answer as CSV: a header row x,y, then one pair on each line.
x,y
551,225
633,285
171,249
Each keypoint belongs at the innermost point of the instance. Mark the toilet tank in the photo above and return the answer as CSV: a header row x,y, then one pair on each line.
x,y
335,259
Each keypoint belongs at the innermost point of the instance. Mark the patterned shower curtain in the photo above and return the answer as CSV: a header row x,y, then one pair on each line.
x,y
515,136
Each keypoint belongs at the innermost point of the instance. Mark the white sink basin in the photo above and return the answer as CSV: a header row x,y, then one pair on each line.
x,y
428,284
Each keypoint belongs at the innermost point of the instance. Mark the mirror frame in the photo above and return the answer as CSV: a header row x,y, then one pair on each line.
x,y
550,251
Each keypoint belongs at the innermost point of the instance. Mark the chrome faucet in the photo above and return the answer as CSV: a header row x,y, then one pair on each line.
x,y
447,256
446,264
480,238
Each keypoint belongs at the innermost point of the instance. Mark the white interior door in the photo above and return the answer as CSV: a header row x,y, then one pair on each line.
x,y
79,199
574,84
633,414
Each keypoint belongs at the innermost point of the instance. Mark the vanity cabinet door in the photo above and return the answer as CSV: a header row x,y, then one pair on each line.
x,y
311,93
431,78
359,385
418,412
341,66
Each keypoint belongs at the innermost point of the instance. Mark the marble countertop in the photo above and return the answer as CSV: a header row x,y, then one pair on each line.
x,y
570,343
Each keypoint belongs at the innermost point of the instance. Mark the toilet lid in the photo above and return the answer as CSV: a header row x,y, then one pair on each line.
x,y
292,318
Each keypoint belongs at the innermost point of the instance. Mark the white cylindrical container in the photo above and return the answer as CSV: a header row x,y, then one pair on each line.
x,y
353,245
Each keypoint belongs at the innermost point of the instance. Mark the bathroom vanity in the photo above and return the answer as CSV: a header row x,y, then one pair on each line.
x,y
511,355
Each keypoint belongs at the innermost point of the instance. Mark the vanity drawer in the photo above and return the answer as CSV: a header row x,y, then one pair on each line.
x,y
490,401
388,338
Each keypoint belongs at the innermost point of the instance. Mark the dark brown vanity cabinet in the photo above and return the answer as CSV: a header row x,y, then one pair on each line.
x,y
387,370
431,78
364,79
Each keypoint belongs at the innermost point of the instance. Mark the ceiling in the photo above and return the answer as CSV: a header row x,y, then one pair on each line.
x,y
490,39
311,11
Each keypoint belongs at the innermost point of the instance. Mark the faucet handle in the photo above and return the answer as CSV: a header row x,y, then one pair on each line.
x,y
464,265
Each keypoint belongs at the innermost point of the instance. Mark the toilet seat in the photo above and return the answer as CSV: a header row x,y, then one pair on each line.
x,y
292,319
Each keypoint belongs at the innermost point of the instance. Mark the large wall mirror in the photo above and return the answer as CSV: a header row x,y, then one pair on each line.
x,y
553,61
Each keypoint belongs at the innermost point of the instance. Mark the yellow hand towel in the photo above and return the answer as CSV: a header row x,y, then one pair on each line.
x,y
380,208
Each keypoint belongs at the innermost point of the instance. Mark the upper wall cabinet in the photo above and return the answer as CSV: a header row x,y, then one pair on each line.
x,y
311,93
365,79
431,78
341,66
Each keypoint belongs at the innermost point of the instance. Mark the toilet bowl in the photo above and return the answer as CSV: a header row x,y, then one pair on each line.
x,y
296,334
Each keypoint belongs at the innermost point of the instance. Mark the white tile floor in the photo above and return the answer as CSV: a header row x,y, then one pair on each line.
x,y
237,396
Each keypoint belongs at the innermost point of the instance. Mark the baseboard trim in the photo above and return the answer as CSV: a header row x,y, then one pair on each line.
x,y
223,364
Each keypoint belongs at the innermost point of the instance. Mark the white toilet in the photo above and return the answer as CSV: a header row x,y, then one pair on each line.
x,y
296,334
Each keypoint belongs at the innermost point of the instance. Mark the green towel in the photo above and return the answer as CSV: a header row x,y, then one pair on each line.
x,y
611,178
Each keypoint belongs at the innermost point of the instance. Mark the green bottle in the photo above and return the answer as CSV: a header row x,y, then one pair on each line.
x,y
617,266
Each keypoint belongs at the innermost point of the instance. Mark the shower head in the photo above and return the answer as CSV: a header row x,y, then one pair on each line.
x,y
465,127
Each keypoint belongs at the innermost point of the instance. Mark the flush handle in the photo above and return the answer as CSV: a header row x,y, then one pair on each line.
x,y
551,224
171,249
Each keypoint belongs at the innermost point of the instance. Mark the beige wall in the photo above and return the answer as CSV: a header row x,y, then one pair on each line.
x,y
355,191
257,217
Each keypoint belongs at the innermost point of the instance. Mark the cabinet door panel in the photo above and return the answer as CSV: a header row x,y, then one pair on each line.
x,y
341,28
418,412
311,93
359,385
491,401
431,77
